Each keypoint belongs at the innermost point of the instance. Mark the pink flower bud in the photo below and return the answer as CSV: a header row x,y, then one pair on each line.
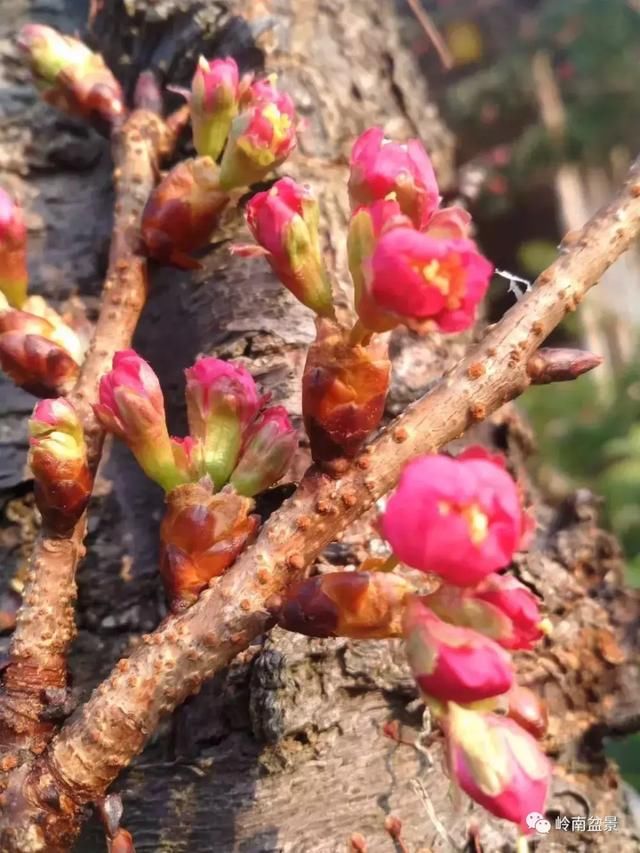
x,y
380,167
187,456
182,212
361,605
70,76
131,407
222,402
518,604
497,763
458,518
261,138
13,251
58,459
450,663
268,449
284,221
214,103
37,364
499,607
426,281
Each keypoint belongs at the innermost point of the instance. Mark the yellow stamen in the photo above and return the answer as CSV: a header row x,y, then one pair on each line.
x,y
280,122
476,519
431,273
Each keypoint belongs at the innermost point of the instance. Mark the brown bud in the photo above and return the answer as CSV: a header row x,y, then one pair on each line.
x,y
183,212
528,710
346,604
344,388
560,365
201,535
36,364
122,842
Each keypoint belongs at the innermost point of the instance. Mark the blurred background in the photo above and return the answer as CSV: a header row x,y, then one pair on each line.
x,y
543,99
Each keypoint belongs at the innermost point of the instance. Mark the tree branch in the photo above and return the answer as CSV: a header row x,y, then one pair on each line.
x,y
173,662
45,623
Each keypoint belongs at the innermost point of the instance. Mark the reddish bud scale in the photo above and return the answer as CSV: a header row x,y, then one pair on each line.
x,y
36,364
451,663
121,842
13,251
359,605
344,388
201,535
528,710
497,763
58,460
182,213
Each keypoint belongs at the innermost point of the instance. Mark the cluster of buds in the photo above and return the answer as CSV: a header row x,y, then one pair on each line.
x,y
255,125
58,459
236,448
71,77
411,261
460,521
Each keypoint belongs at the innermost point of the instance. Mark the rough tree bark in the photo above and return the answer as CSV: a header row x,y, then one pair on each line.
x,y
285,751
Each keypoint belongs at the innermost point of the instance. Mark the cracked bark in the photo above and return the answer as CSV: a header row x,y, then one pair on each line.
x,y
284,750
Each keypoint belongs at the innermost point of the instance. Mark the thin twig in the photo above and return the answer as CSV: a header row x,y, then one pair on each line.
x,y
45,623
432,32
184,651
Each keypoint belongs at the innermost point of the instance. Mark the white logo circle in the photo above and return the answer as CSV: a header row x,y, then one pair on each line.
x,y
533,818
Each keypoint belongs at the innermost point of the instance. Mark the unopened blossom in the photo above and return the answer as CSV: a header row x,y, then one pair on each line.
x,y
499,607
222,403
201,535
427,281
183,212
267,450
131,407
497,763
450,663
344,388
284,221
70,76
262,136
58,459
214,104
460,518
361,605
13,251
381,168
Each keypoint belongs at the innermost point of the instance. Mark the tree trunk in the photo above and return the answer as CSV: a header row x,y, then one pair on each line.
x,y
285,751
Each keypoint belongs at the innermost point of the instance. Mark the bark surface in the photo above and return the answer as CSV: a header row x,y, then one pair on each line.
x,y
285,750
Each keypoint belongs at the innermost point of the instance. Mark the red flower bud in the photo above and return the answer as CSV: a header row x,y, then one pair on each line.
x,y
451,663
222,402
458,518
131,407
201,535
426,281
39,318
214,103
344,388
284,221
70,76
360,605
13,251
182,212
499,607
268,449
58,459
261,138
497,763
380,167
37,364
